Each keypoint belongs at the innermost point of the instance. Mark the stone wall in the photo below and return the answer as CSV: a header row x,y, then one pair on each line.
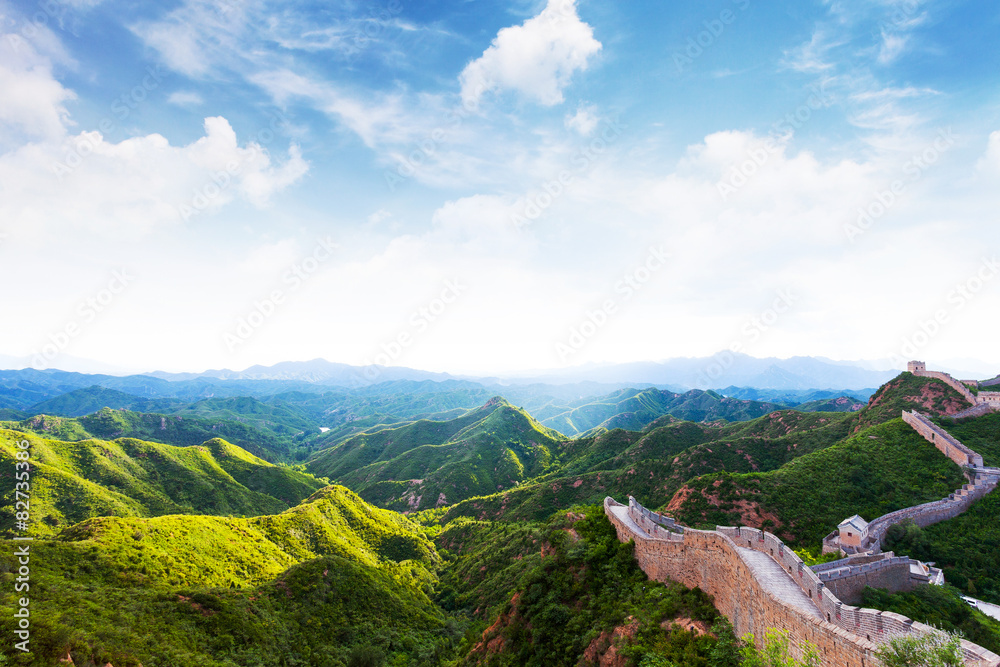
x,y
713,561
951,382
848,577
991,398
943,440
932,512
977,410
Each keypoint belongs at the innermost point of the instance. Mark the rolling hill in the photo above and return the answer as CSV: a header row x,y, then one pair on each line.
x,y
313,585
75,481
633,408
427,464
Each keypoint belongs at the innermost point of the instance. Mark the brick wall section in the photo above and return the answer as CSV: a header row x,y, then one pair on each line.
x,y
951,382
891,574
941,439
711,561
991,398
933,512
975,411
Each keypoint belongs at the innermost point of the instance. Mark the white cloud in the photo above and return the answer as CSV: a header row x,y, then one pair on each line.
x,y
84,181
583,121
536,59
892,47
185,98
199,35
33,104
991,160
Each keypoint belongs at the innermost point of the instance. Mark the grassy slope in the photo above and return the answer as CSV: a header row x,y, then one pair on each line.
x,y
412,467
73,481
109,424
968,546
654,464
324,576
871,473
551,590
874,472
632,408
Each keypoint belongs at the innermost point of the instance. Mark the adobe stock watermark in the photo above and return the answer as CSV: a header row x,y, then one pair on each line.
x,y
424,150
49,12
219,182
714,28
420,320
87,312
624,289
374,26
123,105
756,157
532,207
750,332
292,279
958,297
884,200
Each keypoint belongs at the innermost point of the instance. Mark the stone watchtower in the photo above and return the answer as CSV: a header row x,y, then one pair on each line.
x,y
916,366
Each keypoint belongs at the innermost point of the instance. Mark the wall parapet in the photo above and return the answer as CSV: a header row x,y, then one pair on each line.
x,y
951,382
944,441
847,636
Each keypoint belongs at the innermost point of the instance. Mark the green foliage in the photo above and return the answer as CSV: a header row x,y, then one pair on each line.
x,y
941,607
814,557
575,587
921,651
777,651
634,409
726,652
877,471
967,548
305,587
73,481
109,424
980,434
422,464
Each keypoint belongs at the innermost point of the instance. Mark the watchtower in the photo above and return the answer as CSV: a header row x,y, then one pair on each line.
x,y
916,366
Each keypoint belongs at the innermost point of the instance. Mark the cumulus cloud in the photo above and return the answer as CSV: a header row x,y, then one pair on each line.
x,y
537,58
87,182
583,121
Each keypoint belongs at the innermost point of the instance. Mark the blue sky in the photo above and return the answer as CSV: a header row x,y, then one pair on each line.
x,y
487,187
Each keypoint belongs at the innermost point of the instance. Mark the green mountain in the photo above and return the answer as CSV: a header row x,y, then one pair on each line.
x,y
633,408
426,464
884,465
839,404
317,584
86,400
158,554
74,481
108,423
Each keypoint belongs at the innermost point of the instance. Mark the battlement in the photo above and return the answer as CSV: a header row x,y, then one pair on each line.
x,y
944,441
989,398
718,562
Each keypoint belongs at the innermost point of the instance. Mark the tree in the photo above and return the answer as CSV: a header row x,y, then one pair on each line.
x,y
726,652
775,653
937,650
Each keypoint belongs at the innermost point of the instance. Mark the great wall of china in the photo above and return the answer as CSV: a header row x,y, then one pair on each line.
x,y
759,583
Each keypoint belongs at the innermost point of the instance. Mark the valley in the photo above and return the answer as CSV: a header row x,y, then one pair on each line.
x,y
419,523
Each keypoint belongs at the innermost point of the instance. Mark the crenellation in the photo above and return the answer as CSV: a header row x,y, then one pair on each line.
x,y
844,634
